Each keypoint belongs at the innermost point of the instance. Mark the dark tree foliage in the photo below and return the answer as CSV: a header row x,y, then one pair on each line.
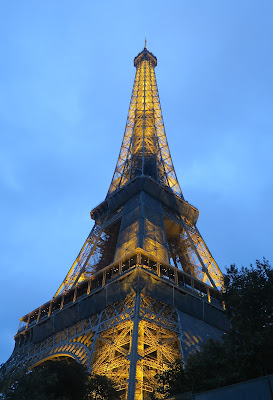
x,y
56,380
100,388
248,297
171,382
246,351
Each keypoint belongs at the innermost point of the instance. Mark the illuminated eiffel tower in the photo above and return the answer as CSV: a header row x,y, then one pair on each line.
x,y
144,290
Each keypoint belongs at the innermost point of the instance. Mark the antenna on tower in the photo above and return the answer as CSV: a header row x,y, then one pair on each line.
x,y
145,43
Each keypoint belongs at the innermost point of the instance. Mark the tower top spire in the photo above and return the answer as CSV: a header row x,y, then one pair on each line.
x,y
144,150
145,54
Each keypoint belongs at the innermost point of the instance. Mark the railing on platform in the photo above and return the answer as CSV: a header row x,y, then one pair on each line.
x,y
139,258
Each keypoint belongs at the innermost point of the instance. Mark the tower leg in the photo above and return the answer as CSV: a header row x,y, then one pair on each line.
x,y
134,352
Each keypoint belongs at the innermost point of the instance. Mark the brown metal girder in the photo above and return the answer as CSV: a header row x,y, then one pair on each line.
x,y
199,258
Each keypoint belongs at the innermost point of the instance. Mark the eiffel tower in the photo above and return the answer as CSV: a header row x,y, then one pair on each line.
x,y
144,290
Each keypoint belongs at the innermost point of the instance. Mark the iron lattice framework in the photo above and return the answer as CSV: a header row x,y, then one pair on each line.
x,y
144,149
144,287
104,342
145,152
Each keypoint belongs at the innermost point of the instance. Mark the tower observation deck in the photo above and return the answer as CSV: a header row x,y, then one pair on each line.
x,y
144,289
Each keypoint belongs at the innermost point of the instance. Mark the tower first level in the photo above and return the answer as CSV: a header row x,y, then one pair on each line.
x,y
144,290
136,312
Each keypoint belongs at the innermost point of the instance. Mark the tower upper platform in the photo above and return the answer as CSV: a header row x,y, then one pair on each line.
x,y
145,55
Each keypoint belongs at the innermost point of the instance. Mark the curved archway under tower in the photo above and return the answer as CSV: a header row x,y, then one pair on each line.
x,y
67,357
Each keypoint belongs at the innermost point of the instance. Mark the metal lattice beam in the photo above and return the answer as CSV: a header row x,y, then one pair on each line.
x,y
144,149
136,350
200,262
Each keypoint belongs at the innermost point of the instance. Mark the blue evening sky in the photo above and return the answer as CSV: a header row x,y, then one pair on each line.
x,y
66,76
